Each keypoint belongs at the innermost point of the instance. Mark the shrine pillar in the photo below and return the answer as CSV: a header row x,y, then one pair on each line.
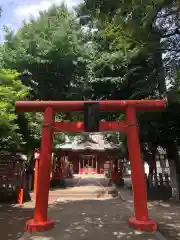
x,y
62,168
73,157
141,220
40,221
36,168
54,167
110,167
115,176
100,164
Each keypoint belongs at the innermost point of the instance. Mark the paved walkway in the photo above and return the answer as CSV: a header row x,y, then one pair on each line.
x,y
104,217
166,214
88,215
90,219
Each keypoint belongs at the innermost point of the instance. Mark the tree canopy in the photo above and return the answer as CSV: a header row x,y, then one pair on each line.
x,y
11,90
52,50
106,50
137,52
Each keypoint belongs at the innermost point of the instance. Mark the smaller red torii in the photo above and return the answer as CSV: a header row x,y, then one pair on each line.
x,y
75,127
141,220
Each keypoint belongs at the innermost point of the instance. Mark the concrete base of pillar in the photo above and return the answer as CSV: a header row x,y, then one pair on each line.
x,y
149,225
32,226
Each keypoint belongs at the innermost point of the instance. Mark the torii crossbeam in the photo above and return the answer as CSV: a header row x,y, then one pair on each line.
x,y
141,220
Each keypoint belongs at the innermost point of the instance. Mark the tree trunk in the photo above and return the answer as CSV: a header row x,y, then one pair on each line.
x,y
173,158
174,182
160,73
152,162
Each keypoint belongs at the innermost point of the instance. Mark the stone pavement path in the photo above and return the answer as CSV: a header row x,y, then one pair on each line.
x,y
88,216
99,218
166,214
90,219
12,220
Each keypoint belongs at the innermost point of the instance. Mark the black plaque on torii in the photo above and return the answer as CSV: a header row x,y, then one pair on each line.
x,y
91,116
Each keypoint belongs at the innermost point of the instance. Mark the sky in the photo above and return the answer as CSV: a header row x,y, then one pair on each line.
x,y
15,11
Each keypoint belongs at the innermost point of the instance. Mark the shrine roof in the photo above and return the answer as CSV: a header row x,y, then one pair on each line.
x,y
94,142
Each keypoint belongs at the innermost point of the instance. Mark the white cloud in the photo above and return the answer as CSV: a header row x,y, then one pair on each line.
x,y
24,12
9,25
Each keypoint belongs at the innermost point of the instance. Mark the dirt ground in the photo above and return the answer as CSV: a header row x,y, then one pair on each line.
x,y
166,214
79,213
90,219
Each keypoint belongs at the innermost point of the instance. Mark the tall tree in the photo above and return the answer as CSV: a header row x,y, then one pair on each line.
x,y
52,49
136,35
11,90
137,51
53,57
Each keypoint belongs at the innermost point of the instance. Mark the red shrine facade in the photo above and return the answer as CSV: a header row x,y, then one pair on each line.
x,y
92,156
88,164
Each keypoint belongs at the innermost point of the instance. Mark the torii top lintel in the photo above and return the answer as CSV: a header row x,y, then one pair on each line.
x,y
78,106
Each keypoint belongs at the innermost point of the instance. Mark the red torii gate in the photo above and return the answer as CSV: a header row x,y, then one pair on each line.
x,y
141,220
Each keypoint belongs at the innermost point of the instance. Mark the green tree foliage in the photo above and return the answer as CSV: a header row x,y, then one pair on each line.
x,y
137,50
11,90
132,38
53,55
52,49
123,51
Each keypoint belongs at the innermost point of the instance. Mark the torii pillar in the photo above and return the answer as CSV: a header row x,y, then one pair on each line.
x,y
141,220
40,221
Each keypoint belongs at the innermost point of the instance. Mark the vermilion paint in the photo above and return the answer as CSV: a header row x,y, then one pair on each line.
x,y
36,175
129,125
79,126
78,106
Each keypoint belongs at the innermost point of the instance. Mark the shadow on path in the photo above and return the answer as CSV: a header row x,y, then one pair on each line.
x,y
12,221
167,215
90,219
